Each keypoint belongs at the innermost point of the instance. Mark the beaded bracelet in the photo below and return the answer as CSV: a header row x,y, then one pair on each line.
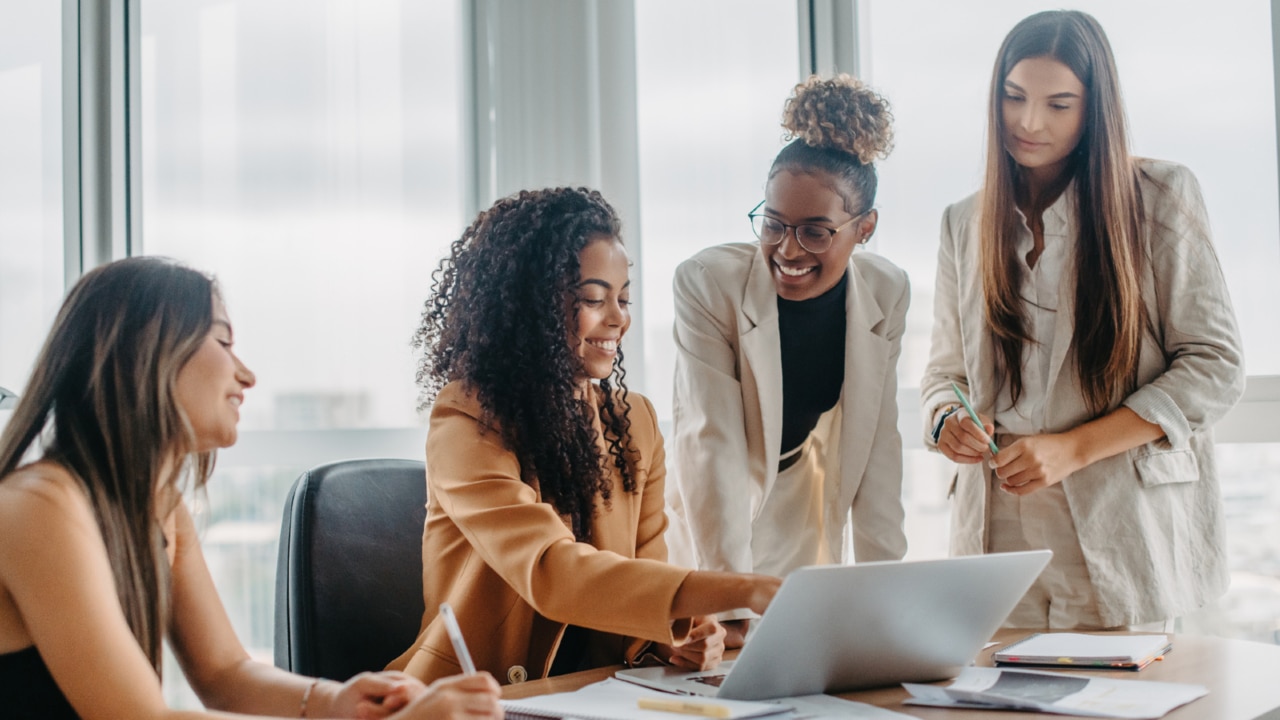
x,y
306,697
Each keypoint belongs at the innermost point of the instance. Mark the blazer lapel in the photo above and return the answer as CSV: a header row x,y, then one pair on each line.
x,y
866,356
1059,222
762,358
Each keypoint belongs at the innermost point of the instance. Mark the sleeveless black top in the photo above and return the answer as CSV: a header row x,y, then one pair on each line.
x,y
28,689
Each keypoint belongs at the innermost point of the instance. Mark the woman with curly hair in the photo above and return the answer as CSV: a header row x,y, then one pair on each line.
x,y
545,477
136,388
1081,306
786,366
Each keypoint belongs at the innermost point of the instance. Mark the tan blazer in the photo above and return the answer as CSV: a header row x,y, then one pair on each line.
x,y
728,411
508,565
1149,520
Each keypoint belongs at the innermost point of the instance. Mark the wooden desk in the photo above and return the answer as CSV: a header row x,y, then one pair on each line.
x,y
1243,680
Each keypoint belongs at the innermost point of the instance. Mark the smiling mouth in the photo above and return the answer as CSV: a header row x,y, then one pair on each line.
x,y
606,345
794,272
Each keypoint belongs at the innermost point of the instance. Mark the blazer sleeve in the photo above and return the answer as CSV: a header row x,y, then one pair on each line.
x,y
1205,373
477,482
878,515
946,347
712,466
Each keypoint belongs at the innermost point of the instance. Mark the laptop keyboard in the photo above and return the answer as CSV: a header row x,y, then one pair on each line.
x,y
712,680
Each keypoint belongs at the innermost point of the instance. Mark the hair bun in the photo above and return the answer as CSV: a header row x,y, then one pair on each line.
x,y
842,114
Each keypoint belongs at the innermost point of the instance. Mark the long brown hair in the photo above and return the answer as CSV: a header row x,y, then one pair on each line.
x,y
1109,312
102,393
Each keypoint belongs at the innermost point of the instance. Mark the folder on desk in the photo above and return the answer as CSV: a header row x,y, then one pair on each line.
x,y
1066,650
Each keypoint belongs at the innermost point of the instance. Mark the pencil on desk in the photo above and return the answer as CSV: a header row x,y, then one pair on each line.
x,y
685,707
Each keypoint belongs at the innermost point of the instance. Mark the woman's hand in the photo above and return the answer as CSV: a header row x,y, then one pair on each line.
x,y
735,633
962,441
1036,462
461,697
703,649
374,695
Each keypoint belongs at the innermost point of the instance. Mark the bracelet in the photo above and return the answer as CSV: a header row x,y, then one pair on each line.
x,y
937,428
306,697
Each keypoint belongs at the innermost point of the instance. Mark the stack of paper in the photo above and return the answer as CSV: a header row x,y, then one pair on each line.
x,y
1127,652
1039,691
617,700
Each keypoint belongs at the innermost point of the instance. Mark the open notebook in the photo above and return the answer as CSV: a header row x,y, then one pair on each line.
x,y
843,627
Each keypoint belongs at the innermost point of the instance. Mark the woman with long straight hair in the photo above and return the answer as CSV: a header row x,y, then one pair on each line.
x,y
1081,307
136,387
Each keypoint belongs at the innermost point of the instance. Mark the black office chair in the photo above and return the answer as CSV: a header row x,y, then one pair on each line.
x,y
349,579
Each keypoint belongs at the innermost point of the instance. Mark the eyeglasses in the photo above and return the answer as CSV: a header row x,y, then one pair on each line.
x,y
814,238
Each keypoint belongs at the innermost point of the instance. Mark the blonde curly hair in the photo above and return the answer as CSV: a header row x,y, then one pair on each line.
x,y
840,113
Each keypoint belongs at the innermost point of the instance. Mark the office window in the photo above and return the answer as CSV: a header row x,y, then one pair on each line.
x,y
307,153
711,78
31,254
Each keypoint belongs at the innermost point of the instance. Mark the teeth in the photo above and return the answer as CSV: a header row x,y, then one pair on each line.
x,y
604,344
794,272
235,401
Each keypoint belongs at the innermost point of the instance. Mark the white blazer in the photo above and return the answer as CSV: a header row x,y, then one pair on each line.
x,y
728,412
1150,520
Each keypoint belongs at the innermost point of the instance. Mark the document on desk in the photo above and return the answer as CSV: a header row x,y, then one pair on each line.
x,y
1059,693
614,699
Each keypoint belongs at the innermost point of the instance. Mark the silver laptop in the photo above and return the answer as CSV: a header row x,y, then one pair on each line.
x,y
836,628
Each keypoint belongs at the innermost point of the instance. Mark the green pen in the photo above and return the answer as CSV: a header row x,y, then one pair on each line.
x,y
974,417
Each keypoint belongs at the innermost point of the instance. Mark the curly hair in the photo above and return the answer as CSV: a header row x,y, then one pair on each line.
x,y
838,127
496,321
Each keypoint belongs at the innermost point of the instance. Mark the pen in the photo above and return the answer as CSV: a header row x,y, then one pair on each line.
x,y
974,416
686,707
455,637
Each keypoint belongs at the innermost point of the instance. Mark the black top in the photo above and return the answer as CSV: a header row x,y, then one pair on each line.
x,y
29,690
812,335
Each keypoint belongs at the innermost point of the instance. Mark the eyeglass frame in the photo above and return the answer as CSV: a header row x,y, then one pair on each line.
x,y
831,232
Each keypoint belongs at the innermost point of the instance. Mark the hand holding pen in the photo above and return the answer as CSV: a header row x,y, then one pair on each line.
x,y
470,696
966,436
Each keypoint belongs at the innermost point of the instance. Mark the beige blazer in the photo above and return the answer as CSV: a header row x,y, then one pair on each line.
x,y
728,411
1149,520
508,565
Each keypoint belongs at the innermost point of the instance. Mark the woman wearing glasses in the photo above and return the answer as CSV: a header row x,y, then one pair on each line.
x,y
786,387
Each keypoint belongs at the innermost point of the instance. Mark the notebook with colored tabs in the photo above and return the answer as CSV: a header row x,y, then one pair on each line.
x,y
1068,650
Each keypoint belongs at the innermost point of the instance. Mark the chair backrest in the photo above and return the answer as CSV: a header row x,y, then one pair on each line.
x,y
349,579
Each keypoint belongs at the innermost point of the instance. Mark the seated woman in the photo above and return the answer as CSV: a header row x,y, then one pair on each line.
x,y
545,477
135,388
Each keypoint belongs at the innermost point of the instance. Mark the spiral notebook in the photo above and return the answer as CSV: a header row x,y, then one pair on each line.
x,y
617,700
1067,650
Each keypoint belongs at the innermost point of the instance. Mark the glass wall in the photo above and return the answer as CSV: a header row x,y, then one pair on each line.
x,y
711,78
31,254
307,153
